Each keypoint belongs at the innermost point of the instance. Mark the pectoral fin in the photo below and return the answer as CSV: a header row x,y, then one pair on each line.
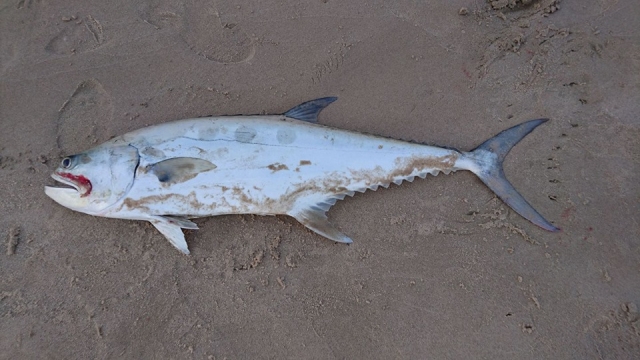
x,y
171,228
315,219
180,169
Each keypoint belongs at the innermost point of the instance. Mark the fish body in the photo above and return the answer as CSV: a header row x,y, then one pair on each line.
x,y
261,164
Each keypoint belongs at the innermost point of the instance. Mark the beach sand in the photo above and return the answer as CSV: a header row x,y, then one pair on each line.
x,y
439,268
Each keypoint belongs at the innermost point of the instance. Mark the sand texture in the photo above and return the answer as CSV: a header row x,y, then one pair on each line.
x,y
439,268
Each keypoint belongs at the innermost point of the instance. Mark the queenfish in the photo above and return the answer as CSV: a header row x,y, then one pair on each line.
x,y
288,164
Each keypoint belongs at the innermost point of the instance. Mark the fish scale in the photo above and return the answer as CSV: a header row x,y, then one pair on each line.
x,y
262,164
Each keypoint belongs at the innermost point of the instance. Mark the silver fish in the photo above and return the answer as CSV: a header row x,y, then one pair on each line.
x,y
263,164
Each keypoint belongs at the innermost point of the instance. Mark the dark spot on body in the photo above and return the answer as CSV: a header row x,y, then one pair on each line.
x,y
286,136
245,134
305,162
208,133
277,167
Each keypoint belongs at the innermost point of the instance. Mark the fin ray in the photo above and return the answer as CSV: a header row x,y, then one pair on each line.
x,y
316,220
308,111
173,233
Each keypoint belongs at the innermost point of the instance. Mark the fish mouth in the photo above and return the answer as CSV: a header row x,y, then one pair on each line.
x,y
78,183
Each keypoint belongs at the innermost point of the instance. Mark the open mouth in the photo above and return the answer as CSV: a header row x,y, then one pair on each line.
x,y
79,183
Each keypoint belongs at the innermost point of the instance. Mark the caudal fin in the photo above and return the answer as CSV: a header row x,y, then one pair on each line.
x,y
487,165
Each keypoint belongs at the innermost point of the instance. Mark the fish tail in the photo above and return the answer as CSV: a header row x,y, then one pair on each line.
x,y
486,162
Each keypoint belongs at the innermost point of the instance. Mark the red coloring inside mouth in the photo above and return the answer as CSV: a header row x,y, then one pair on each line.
x,y
82,182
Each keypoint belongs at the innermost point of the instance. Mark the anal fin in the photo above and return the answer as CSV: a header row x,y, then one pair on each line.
x,y
315,219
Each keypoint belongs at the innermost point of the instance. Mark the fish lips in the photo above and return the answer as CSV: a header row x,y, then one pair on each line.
x,y
79,184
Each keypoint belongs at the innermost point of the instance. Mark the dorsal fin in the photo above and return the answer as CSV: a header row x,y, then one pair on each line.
x,y
308,111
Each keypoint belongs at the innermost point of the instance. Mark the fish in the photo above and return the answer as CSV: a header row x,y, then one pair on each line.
x,y
285,164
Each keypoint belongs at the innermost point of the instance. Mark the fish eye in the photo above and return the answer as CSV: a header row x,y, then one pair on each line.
x,y
66,162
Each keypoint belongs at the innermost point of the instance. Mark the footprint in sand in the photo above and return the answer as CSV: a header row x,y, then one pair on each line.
x,y
83,119
78,35
200,27
161,14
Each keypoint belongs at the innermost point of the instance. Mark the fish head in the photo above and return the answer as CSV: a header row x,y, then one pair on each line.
x,y
95,179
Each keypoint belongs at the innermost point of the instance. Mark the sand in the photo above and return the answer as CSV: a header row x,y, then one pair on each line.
x,y
439,268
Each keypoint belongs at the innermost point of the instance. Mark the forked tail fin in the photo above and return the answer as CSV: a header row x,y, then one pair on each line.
x,y
486,163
